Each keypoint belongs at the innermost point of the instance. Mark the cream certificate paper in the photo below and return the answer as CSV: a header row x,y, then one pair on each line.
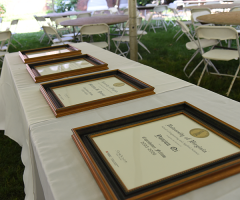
x,y
92,90
152,151
47,53
63,67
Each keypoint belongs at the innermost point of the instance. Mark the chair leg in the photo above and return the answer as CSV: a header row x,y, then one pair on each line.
x,y
205,67
177,33
193,56
118,49
41,38
140,56
195,68
12,44
152,28
235,76
143,46
213,66
179,37
16,41
164,25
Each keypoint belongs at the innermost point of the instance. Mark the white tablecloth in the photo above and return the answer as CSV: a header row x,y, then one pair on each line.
x,y
64,174
22,105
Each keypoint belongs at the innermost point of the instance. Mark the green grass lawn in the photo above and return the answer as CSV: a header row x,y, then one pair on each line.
x,y
166,55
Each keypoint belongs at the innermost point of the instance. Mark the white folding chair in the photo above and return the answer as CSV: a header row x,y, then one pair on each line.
x,y
4,37
95,29
234,9
194,45
196,12
125,39
159,20
13,27
60,28
53,23
51,31
177,16
219,33
42,22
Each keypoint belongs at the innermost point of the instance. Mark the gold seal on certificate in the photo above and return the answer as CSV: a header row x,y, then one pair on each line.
x,y
118,84
199,133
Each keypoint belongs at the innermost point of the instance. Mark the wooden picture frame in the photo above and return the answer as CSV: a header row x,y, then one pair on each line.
x,y
101,160
30,56
93,65
93,91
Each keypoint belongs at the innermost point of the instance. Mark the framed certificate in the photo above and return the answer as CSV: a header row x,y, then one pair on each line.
x,y
92,91
160,153
64,67
48,53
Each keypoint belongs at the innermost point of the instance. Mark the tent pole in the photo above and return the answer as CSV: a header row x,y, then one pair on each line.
x,y
133,30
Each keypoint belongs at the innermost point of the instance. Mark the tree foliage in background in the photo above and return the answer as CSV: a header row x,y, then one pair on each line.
x,y
63,6
143,2
2,10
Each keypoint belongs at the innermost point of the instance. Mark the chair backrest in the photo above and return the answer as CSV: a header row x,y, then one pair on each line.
x,y
149,18
4,36
113,10
234,9
49,30
172,6
219,33
196,12
186,30
93,29
14,22
160,9
62,19
84,15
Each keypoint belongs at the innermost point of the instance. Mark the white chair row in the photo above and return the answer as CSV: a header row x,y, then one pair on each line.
x,y
124,38
90,29
210,36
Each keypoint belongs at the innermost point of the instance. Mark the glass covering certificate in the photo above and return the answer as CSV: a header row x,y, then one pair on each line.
x,y
46,53
63,67
143,154
91,90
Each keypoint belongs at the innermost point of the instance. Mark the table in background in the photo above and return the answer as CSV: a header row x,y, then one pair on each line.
x,y
107,19
226,18
214,6
65,14
61,172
